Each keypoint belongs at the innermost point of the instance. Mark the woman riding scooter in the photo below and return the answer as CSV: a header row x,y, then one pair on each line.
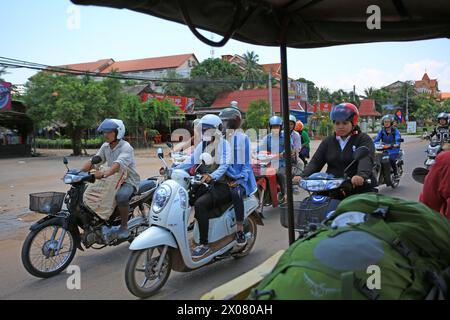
x,y
218,192
391,136
240,177
336,151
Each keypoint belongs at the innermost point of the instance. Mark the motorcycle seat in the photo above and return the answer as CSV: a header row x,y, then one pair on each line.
x,y
146,185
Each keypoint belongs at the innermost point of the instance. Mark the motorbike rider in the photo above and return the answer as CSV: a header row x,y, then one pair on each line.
x,y
304,151
391,136
119,156
274,144
442,131
436,189
218,192
296,141
336,151
240,177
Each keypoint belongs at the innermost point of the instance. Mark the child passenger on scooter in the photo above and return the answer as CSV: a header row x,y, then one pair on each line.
x,y
240,177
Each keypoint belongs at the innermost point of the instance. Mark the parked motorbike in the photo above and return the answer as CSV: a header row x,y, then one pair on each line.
x,y
325,193
382,167
269,191
53,241
167,244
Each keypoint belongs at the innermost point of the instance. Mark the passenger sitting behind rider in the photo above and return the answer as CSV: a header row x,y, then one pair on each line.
x,y
218,193
336,151
390,135
119,155
240,177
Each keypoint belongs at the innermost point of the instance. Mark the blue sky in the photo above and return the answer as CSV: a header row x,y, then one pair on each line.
x,y
40,31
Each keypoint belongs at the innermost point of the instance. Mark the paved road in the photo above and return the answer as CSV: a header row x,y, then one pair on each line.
x,y
103,271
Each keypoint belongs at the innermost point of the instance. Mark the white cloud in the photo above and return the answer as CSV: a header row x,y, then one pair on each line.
x,y
372,77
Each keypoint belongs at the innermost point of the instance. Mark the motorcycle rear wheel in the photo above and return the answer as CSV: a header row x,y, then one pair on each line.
x,y
250,226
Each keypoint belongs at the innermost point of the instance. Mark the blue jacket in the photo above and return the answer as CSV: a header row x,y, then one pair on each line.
x,y
268,144
392,138
240,168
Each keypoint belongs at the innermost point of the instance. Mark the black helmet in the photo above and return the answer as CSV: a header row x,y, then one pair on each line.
x,y
443,115
231,118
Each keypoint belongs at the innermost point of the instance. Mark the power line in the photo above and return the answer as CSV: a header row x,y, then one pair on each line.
x,y
15,63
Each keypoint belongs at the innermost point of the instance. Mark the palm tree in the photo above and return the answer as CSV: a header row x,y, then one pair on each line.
x,y
252,70
369,93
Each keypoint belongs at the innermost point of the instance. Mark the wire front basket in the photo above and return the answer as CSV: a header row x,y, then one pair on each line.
x,y
306,213
47,202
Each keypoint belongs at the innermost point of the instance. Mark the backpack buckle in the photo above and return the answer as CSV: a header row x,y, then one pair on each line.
x,y
381,212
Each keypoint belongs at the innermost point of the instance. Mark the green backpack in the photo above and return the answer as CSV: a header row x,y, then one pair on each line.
x,y
399,251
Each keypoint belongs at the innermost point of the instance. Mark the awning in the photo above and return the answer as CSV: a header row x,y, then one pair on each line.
x,y
302,23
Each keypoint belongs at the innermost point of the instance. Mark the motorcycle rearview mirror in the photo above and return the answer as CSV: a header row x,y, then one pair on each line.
x,y
96,159
160,153
66,162
402,140
359,154
169,144
419,174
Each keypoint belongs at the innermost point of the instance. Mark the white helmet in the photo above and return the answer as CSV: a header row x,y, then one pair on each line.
x,y
292,118
208,122
112,125
234,104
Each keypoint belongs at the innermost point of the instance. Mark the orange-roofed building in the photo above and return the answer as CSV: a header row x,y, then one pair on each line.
x,y
427,86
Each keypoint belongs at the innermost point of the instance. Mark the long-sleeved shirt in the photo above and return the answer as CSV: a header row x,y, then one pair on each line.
x,y
305,139
436,188
296,141
241,169
222,158
123,154
330,153
273,145
442,133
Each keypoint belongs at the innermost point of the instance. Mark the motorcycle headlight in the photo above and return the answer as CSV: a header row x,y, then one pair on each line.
x,y
68,179
161,198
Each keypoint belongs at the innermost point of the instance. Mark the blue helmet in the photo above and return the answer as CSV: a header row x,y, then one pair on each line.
x,y
275,121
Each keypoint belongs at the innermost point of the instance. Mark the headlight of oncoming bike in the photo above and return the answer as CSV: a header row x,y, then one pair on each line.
x,y
161,198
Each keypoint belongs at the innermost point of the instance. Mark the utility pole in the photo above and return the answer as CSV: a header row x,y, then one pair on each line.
x,y
354,99
407,112
270,91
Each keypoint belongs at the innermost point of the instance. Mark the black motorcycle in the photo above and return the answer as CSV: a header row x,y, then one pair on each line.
x,y
52,243
382,167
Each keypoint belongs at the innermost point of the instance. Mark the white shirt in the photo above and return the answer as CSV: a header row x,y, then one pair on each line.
x,y
342,142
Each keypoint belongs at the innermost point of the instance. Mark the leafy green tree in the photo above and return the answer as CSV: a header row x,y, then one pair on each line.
x,y
77,103
427,109
174,88
212,69
257,116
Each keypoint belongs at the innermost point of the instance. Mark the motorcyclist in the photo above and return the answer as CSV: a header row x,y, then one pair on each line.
x,y
240,177
442,131
119,156
274,144
336,151
391,136
304,151
218,192
296,141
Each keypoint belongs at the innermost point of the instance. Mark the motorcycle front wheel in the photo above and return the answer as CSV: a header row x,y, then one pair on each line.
x,y
48,250
142,277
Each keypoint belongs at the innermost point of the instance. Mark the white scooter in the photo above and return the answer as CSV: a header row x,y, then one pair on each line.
x,y
167,243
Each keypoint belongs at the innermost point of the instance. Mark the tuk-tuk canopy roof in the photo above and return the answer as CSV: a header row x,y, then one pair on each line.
x,y
304,23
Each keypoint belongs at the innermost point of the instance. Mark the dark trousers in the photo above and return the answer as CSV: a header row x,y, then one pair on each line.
x,y
281,178
393,160
217,196
237,196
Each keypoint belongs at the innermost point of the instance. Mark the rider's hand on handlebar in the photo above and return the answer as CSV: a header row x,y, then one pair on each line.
x,y
206,178
296,179
357,181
